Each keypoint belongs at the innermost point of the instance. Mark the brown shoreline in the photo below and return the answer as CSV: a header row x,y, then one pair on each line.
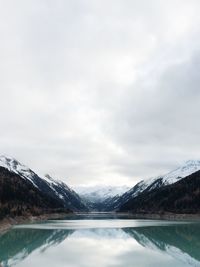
x,y
8,222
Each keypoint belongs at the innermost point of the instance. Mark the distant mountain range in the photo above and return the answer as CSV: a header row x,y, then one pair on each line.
x,y
98,197
23,192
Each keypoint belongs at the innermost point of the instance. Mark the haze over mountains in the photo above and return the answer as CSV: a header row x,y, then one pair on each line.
x,y
24,192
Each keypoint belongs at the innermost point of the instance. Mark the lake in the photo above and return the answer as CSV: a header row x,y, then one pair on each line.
x,y
99,240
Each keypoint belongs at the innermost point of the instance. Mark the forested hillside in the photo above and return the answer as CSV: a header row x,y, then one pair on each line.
x,y
181,197
19,197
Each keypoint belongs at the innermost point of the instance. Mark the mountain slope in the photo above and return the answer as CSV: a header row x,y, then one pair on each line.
x,y
54,189
154,183
19,197
180,197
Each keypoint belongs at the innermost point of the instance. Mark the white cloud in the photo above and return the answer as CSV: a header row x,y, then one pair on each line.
x,y
100,91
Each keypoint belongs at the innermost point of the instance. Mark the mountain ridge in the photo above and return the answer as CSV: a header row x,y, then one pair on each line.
x,y
93,198
57,190
182,197
189,167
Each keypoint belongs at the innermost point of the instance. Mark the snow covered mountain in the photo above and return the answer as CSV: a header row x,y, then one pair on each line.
x,y
47,185
95,198
148,185
98,197
100,193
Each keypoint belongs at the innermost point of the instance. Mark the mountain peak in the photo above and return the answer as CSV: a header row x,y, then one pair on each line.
x,y
9,162
54,189
100,192
7,158
49,177
186,169
192,163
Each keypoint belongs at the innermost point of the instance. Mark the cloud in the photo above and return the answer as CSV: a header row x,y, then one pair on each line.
x,y
100,92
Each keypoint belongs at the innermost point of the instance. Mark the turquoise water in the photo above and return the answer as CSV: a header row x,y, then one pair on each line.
x,y
102,240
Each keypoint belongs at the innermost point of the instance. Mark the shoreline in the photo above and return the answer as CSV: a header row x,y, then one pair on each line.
x,y
8,222
164,216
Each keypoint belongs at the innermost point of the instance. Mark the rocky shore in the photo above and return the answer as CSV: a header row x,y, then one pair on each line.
x,y
9,222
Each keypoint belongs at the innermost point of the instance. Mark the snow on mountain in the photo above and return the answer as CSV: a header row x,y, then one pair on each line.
x,y
54,188
14,166
188,168
148,185
100,193
96,197
191,166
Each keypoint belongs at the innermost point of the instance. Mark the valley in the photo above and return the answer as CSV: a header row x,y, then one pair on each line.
x,y
24,193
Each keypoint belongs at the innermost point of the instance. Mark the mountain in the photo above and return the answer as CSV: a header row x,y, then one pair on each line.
x,y
46,186
182,197
19,197
98,197
34,194
148,185
100,193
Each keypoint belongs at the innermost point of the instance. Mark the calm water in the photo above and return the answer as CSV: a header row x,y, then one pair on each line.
x,y
102,240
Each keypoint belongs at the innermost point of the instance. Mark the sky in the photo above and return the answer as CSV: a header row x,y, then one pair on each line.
x,y
100,92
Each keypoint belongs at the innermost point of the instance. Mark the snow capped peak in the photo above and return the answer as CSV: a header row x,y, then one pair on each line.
x,y
183,171
190,166
46,184
147,185
99,192
186,169
15,166
9,162
193,162
54,182
48,178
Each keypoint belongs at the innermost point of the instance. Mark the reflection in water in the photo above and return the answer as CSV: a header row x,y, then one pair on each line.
x,y
17,244
153,244
179,241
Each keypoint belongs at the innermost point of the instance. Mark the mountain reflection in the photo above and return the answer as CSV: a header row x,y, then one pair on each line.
x,y
179,241
17,244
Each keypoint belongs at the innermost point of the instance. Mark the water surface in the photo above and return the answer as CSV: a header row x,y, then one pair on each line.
x,y
102,240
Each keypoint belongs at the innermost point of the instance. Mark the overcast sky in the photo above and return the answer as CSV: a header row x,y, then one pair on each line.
x,y
100,91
